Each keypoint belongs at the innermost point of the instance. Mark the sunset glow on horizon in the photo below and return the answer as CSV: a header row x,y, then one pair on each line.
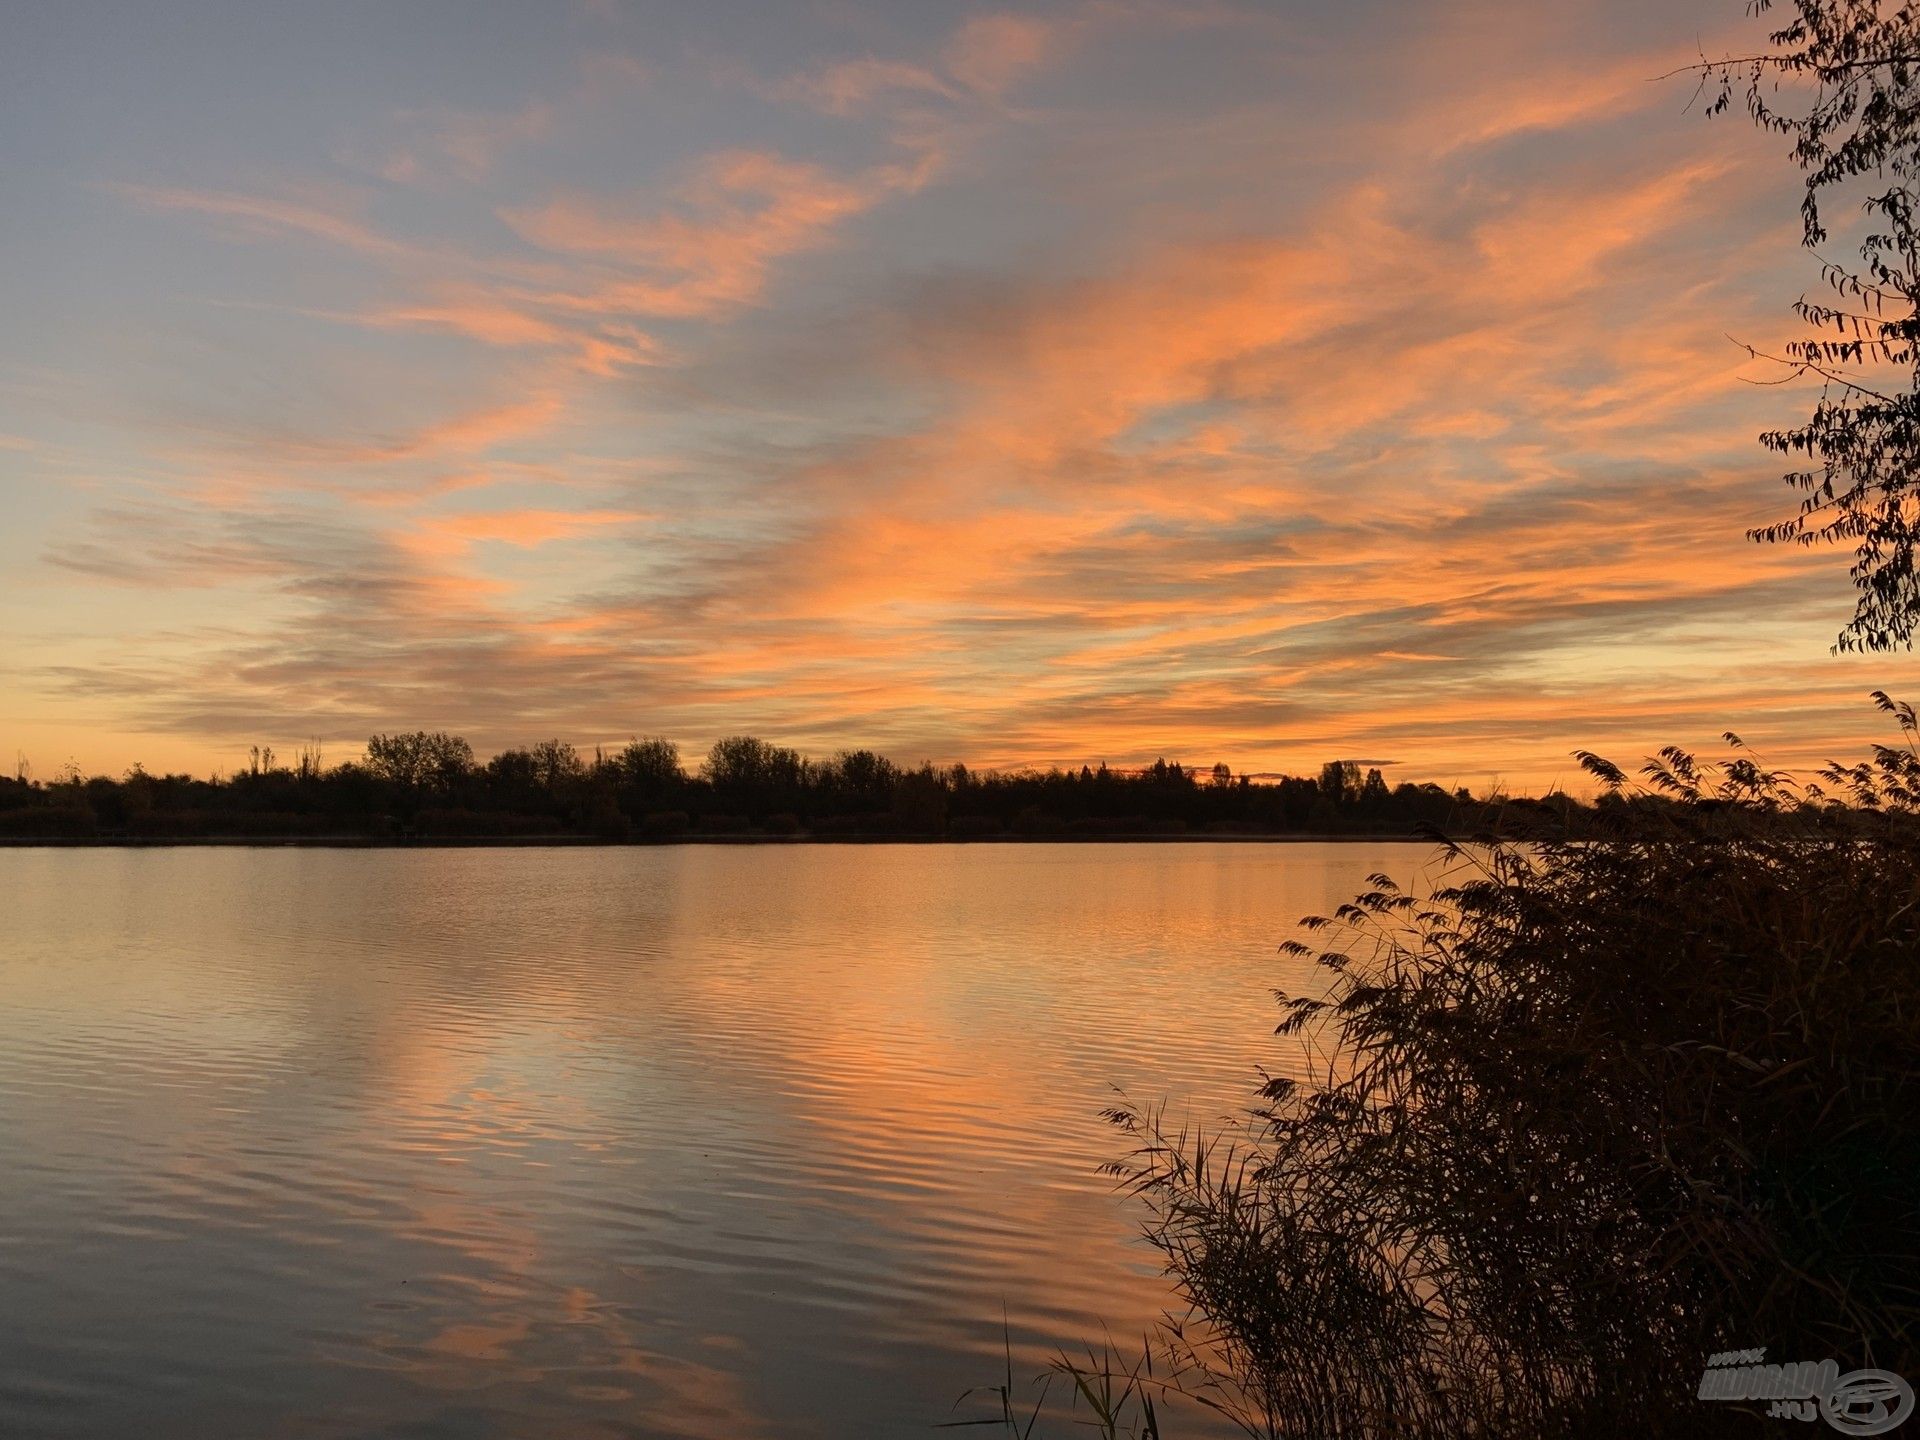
x,y
1049,384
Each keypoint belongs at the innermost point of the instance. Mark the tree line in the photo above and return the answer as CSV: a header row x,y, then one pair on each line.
x,y
430,785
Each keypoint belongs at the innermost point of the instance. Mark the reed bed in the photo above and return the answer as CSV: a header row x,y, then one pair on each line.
x,y
1594,1111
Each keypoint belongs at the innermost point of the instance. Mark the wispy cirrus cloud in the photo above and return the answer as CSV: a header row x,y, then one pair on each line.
x,y
982,58
257,216
711,249
461,145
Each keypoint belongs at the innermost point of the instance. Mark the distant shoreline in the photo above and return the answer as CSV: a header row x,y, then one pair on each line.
x,y
524,842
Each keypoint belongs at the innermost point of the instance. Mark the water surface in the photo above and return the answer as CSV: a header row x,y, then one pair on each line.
x,y
700,1141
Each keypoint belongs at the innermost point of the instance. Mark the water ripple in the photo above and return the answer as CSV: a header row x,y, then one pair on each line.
x,y
700,1142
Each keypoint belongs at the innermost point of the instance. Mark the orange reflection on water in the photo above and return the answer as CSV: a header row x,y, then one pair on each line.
x,y
699,1141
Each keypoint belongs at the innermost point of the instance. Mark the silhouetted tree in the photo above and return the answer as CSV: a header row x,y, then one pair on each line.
x,y
1340,782
556,765
747,771
651,765
1162,773
1373,792
1850,105
422,760
920,801
861,775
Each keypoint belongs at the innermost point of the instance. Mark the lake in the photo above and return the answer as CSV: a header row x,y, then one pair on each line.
x,y
694,1141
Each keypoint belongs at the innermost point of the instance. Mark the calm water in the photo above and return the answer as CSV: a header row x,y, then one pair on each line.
x,y
701,1142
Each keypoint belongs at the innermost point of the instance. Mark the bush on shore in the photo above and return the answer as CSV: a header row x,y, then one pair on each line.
x,y
1594,1112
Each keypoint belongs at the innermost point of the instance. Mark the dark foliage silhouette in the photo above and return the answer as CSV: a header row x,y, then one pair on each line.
x,y
1841,82
1594,1111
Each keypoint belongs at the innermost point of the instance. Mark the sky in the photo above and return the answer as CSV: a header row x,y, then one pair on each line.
x,y
1095,381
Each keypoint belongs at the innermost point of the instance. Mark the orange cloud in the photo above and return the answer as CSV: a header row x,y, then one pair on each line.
x,y
989,52
742,212
454,534
848,86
